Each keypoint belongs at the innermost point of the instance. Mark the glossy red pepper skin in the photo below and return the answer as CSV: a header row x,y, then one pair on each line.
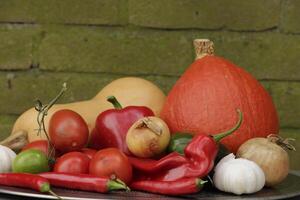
x,y
83,182
151,166
198,159
112,126
23,180
178,187
197,162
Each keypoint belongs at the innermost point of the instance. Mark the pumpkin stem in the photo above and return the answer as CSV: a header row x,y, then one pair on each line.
x,y
284,143
113,100
203,47
220,136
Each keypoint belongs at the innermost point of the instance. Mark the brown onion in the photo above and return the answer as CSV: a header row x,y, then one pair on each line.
x,y
270,154
148,137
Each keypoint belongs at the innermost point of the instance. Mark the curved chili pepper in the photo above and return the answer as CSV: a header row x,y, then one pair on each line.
x,y
149,165
198,159
84,182
179,141
29,181
178,187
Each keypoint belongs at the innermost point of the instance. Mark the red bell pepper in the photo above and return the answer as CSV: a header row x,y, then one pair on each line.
x,y
198,159
112,125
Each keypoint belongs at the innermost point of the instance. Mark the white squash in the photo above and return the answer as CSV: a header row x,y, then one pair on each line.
x,y
238,176
7,157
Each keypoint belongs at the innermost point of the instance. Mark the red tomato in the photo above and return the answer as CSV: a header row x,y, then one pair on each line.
x,y
68,131
72,162
111,161
41,145
89,152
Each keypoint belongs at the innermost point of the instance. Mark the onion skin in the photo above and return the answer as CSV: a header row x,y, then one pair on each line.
x,y
144,142
272,158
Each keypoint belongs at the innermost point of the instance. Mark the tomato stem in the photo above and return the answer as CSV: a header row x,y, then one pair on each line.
x,y
42,113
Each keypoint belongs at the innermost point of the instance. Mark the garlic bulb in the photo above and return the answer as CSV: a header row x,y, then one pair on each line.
x,y
238,176
7,156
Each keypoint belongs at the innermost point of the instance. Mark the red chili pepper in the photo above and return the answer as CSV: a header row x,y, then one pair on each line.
x,y
84,182
198,159
112,125
178,187
170,161
23,180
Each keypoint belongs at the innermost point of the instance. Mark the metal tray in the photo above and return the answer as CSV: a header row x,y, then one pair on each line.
x,y
289,188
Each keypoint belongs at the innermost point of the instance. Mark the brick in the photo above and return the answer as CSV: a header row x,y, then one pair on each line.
x,y
290,16
111,12
115,50
16,47
25,87
174,14
137,52
294,155
6,123
264,55
286,96
254,15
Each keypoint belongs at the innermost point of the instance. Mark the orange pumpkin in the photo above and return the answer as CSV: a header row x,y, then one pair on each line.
x,y
206,97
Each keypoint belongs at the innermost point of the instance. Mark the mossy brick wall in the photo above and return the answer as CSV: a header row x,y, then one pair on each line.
x,y
44,43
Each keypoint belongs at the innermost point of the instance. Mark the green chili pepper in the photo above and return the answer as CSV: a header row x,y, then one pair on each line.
x,y
178,142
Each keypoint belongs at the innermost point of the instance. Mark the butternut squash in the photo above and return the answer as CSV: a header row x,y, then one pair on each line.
x,y
128,90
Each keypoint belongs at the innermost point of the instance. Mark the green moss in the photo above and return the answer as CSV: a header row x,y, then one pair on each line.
x,y
16,46
26,87
137,51
290,16
286,96
252,15
116,50
112,12
205,14
265,55
6,123
174,14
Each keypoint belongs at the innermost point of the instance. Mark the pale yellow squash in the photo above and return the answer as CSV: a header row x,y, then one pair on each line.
x,y
128,90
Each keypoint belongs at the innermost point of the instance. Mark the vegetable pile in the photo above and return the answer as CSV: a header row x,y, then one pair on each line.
x,y
118,141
